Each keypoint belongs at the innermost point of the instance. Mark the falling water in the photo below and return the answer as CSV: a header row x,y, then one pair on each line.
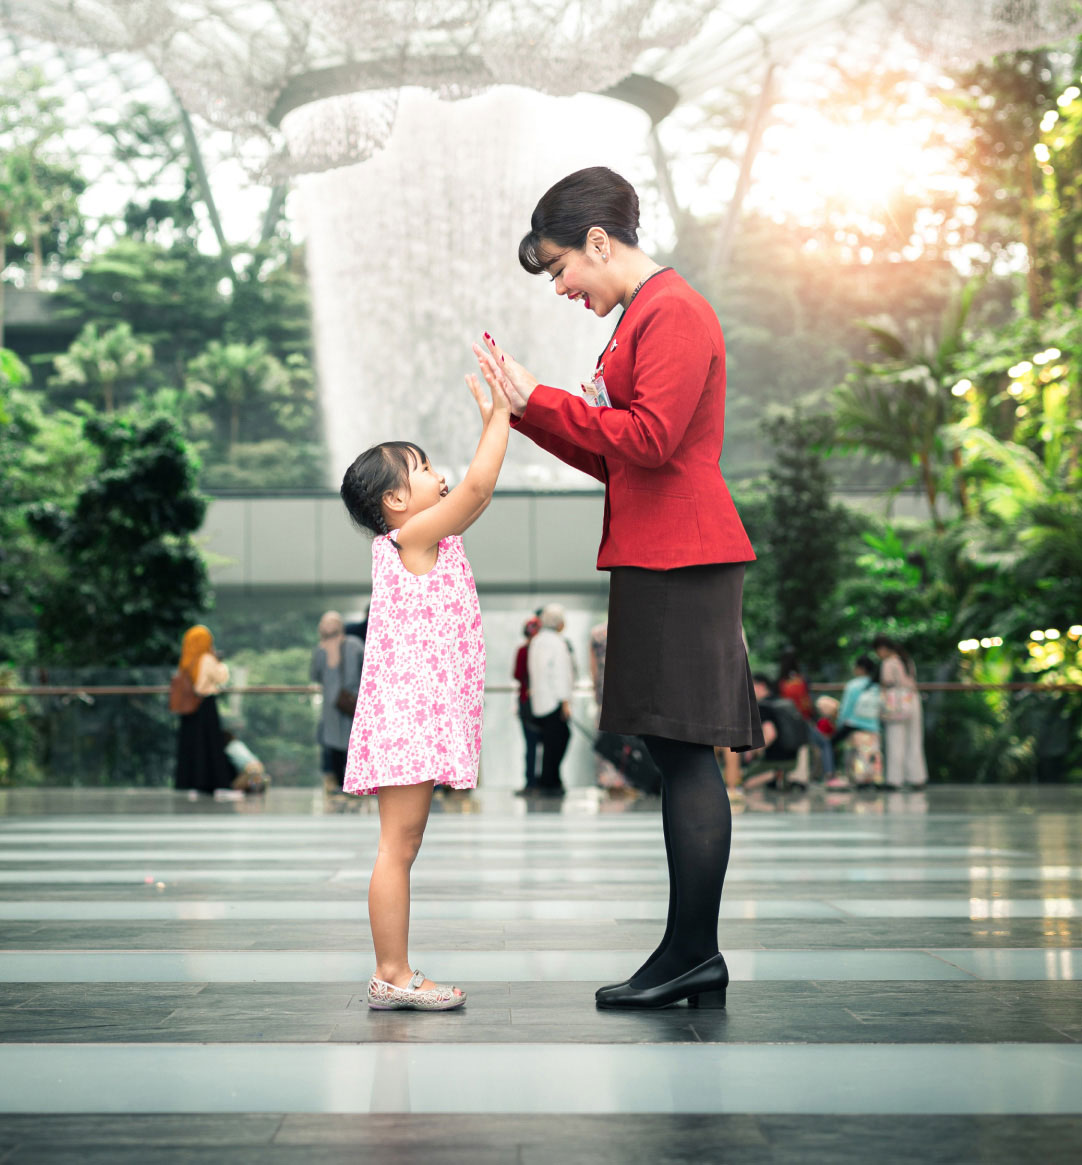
x,y
413,255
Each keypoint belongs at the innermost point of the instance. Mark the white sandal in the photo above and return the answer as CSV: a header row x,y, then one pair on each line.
x,y
384,996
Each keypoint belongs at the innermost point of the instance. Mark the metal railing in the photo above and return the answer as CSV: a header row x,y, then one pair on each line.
x,y
123,734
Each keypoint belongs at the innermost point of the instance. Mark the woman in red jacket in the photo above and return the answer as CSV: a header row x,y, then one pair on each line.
x,y
650,426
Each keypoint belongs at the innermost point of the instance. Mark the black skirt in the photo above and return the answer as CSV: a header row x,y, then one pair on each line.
x,y
201,760
675,664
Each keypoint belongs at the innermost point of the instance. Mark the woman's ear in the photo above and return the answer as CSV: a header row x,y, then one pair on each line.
x,y
597,243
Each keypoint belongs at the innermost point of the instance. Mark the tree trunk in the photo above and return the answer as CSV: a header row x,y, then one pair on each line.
x,y
963,488
234,426
1034,292
3,251
37,261
930,491
107,393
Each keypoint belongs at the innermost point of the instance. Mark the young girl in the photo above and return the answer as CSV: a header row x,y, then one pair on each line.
x,y
418,718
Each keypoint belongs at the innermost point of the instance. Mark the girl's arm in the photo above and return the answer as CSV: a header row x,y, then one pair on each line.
x,y
475,515
419,538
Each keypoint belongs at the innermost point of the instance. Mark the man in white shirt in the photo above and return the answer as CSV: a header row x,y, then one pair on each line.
x,y
549,664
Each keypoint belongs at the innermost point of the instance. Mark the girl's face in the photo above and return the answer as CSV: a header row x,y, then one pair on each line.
x,y
584,277
426,486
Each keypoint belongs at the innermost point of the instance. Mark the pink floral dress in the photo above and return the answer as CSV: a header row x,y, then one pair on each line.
x,y
421,700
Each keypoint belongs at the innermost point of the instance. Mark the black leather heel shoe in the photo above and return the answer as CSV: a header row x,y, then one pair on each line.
x,y
702,986
609,988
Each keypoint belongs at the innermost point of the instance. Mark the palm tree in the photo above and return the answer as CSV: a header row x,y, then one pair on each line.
x,y
103,362
897,407
238,375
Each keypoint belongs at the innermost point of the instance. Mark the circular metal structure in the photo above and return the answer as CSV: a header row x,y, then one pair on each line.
x,y
421,132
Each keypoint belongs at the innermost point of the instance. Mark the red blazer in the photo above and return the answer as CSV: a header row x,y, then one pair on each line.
x,y
657,448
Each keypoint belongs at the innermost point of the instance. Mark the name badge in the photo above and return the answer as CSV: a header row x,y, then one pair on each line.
x,y
595,392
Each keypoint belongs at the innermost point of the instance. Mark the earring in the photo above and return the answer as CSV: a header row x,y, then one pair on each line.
x,y
605,258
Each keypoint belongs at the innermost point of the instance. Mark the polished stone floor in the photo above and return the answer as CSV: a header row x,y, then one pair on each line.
x,y
183,982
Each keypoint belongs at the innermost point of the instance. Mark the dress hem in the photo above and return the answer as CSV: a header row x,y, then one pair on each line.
x,y
369,789
735,738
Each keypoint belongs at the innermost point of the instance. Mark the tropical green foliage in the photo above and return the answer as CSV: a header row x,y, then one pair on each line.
x,y
900,405
39,181
132,579
96,365
806,532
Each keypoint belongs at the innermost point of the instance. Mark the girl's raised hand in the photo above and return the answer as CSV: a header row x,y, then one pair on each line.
x,y
483,403
500,368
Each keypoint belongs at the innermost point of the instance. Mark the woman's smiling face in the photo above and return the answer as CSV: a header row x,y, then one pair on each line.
x,y
582,275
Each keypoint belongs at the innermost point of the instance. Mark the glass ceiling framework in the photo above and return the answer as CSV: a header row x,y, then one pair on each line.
x,y
245,65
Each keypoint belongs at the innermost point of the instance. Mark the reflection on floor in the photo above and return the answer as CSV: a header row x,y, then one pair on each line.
x,y
906,983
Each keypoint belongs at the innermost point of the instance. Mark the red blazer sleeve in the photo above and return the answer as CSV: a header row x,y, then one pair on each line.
x,y
672,358
567,452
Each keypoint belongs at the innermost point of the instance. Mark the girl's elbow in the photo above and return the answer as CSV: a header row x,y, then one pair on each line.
x,y
480,493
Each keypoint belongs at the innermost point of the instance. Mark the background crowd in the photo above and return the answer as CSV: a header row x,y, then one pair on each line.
x,y
871,737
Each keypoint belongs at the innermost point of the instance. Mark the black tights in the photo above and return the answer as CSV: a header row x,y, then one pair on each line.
x,y
698,828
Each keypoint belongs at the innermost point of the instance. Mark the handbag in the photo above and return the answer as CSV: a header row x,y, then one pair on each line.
x,y
183,698
346,700
897,703
869,704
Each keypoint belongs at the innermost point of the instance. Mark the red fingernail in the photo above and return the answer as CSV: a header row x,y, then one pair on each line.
x,y
487,336
501,359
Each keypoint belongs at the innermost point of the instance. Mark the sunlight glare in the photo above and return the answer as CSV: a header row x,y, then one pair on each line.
x,y
853,170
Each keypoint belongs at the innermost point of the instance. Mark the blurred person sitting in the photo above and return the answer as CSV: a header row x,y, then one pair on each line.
x,y
858,725
785,732
551,678
202,765
791,685
251,776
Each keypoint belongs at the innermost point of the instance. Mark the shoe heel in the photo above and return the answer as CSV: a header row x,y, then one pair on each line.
x,y
708,999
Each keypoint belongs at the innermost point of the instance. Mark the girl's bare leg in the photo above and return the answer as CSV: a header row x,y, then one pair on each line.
x,y
403,814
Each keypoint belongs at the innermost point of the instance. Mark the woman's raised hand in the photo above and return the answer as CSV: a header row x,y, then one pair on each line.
x,y
506,374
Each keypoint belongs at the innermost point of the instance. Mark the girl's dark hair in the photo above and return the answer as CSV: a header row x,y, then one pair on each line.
x,y
893,645
595,197
379,470
868,665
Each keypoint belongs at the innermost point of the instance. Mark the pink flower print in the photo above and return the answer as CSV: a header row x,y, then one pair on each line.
x,y
420,713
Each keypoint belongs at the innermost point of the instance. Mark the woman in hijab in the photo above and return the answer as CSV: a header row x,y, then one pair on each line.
x,y
201,761
336,665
